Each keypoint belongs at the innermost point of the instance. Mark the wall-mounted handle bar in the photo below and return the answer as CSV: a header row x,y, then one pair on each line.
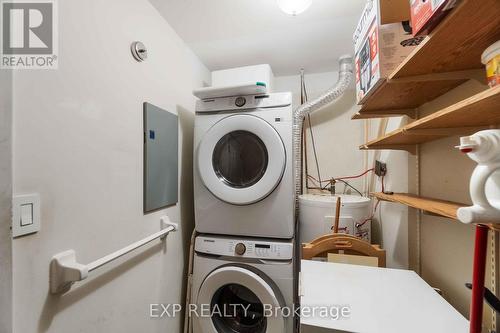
x,y
65,270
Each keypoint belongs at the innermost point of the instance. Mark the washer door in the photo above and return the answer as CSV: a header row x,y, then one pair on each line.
x,y
241,159
240,302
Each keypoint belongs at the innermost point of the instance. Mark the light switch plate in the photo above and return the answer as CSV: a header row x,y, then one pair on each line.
x,y
26,214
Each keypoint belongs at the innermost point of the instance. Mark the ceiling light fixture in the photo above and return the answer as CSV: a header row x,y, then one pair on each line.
x,y
294,7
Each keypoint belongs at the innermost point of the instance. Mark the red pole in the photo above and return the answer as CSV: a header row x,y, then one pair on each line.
x,y
476,307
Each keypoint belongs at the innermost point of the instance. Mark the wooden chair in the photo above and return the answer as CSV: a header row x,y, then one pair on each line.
x,y
334,243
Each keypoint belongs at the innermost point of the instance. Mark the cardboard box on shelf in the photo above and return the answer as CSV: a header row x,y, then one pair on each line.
x,y
379,49
426,14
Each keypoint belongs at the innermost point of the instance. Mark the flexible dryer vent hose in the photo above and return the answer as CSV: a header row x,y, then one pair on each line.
x,y
328,97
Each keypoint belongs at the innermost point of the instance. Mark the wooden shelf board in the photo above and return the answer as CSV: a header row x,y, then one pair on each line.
x,y
481,109
443,61
392,96
463,118
434,206
439,207
457,42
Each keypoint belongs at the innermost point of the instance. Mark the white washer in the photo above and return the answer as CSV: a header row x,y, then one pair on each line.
x,y
236,280
243,172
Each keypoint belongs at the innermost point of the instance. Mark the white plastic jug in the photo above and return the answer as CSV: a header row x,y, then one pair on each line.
x,y
484,148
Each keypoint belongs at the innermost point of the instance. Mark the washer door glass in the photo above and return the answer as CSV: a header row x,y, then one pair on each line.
x,y
240,301
237,309
240,159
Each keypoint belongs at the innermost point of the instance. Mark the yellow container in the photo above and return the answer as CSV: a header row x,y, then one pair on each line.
x,y
491,58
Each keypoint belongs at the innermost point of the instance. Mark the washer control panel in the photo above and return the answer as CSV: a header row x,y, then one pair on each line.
x,y
244,248
240,249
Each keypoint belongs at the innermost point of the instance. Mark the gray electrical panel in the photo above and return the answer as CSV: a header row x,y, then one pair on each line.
x,y
161,158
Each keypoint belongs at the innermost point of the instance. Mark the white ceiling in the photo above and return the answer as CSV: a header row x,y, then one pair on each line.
x,y
233,33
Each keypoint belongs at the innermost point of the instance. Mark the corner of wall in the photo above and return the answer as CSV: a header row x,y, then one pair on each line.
x,y
5,201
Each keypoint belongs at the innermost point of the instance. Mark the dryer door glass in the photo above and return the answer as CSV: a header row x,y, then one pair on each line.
x,y
240,159
237,309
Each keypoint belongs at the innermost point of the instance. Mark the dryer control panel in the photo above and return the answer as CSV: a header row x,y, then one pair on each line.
x,y
244,102
244,247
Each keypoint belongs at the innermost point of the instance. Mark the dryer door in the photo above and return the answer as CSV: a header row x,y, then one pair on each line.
x,y
240,301
241,159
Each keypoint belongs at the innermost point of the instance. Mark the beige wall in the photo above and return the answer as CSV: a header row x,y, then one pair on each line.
x,y
338,139
446,246
78,142
390,225
5,200
336,143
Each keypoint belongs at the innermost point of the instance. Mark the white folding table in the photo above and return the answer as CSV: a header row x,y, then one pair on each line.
x,y
380,300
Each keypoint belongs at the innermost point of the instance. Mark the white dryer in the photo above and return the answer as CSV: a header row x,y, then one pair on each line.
x,y
242,285
243,173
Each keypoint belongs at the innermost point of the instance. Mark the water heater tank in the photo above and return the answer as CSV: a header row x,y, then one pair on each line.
x,y
317,215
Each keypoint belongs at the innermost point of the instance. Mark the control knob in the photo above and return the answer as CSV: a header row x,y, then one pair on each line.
x,y
240,101
240,249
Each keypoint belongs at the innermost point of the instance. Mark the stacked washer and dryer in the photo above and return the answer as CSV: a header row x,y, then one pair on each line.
x,y
244,214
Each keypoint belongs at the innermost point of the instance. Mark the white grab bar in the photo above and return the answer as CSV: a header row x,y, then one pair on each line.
x,y
65,270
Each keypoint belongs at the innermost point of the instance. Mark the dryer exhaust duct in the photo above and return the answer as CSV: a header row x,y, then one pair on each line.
x,y
328,97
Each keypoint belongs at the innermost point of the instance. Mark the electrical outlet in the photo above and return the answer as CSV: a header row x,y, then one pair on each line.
x,y
380,168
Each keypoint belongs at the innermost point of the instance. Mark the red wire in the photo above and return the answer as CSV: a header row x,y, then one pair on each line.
x,y
371,217
340,178
314,179
375,208
352,177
